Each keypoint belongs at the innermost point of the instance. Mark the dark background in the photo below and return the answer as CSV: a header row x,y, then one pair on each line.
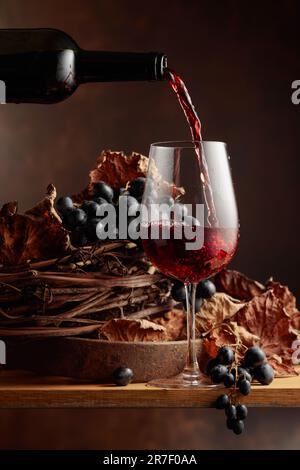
x,y
239,59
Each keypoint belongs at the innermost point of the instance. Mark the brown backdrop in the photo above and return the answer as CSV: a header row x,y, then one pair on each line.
x,y
239,60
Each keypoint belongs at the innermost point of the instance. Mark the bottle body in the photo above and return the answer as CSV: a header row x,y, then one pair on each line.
x,y
46,65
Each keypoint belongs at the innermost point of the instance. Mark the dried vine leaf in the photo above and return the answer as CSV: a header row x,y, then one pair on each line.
x,y
228,333
115,168
296,322
118,170
284,295
37,234
174,323
216,310
132,330
238,285
266,317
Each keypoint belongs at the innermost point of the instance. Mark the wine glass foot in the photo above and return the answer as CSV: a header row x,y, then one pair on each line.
x,y
184,380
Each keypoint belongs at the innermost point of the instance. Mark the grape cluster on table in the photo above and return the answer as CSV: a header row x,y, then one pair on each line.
x,y
224,369
83,221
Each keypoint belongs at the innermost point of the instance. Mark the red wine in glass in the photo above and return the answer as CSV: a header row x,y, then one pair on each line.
x,y
173,258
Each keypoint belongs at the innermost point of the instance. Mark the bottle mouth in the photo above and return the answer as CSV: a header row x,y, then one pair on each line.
x,y
161,64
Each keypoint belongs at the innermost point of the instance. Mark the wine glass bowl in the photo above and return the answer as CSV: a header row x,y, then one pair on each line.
x,y
190,224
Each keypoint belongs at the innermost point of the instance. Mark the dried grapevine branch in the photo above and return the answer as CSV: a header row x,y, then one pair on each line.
x,y
52,297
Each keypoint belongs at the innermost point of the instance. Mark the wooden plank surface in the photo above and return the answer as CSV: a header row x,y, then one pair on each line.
x,y
25,390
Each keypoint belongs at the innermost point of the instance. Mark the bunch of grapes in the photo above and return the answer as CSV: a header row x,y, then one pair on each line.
x,y
205,290
86,224
238,377
84,221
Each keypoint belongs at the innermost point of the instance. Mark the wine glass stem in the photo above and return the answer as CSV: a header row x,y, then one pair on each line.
x,y
191,371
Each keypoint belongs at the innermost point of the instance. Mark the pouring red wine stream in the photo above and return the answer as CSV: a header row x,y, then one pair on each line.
x,y
194,123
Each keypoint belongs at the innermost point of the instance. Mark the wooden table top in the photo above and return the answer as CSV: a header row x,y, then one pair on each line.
x,y
26,390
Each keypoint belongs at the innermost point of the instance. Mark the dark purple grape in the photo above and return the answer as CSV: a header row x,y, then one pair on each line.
x,y
241,412
254,357
230,422
244,374
229,380
79,237
122,376
250,372
225,355
66,225
101,189
222,401
137,187
206,289
230,411
64,204
91,228
244,387
238,426
264,374
198,304
100,200
90,208
178,292
75,217
218,374
210,365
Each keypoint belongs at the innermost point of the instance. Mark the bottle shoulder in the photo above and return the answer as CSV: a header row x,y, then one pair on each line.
x,y
20,40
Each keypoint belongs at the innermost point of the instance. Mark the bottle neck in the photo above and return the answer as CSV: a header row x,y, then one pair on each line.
x,y
102,66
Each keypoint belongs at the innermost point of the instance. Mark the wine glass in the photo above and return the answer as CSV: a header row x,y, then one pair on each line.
x,y
190,226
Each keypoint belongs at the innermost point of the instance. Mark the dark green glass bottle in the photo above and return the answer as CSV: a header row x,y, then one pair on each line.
x,y
46,65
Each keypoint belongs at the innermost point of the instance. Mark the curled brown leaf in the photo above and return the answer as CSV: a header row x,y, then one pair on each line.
x,y
115,168
132,330
38,234
118,170
284,295
216,310
174,323
238,285
230,333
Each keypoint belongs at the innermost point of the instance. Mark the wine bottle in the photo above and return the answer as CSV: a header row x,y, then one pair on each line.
x,y
46,65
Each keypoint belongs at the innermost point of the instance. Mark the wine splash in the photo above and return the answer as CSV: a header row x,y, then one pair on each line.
x,y
194,123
